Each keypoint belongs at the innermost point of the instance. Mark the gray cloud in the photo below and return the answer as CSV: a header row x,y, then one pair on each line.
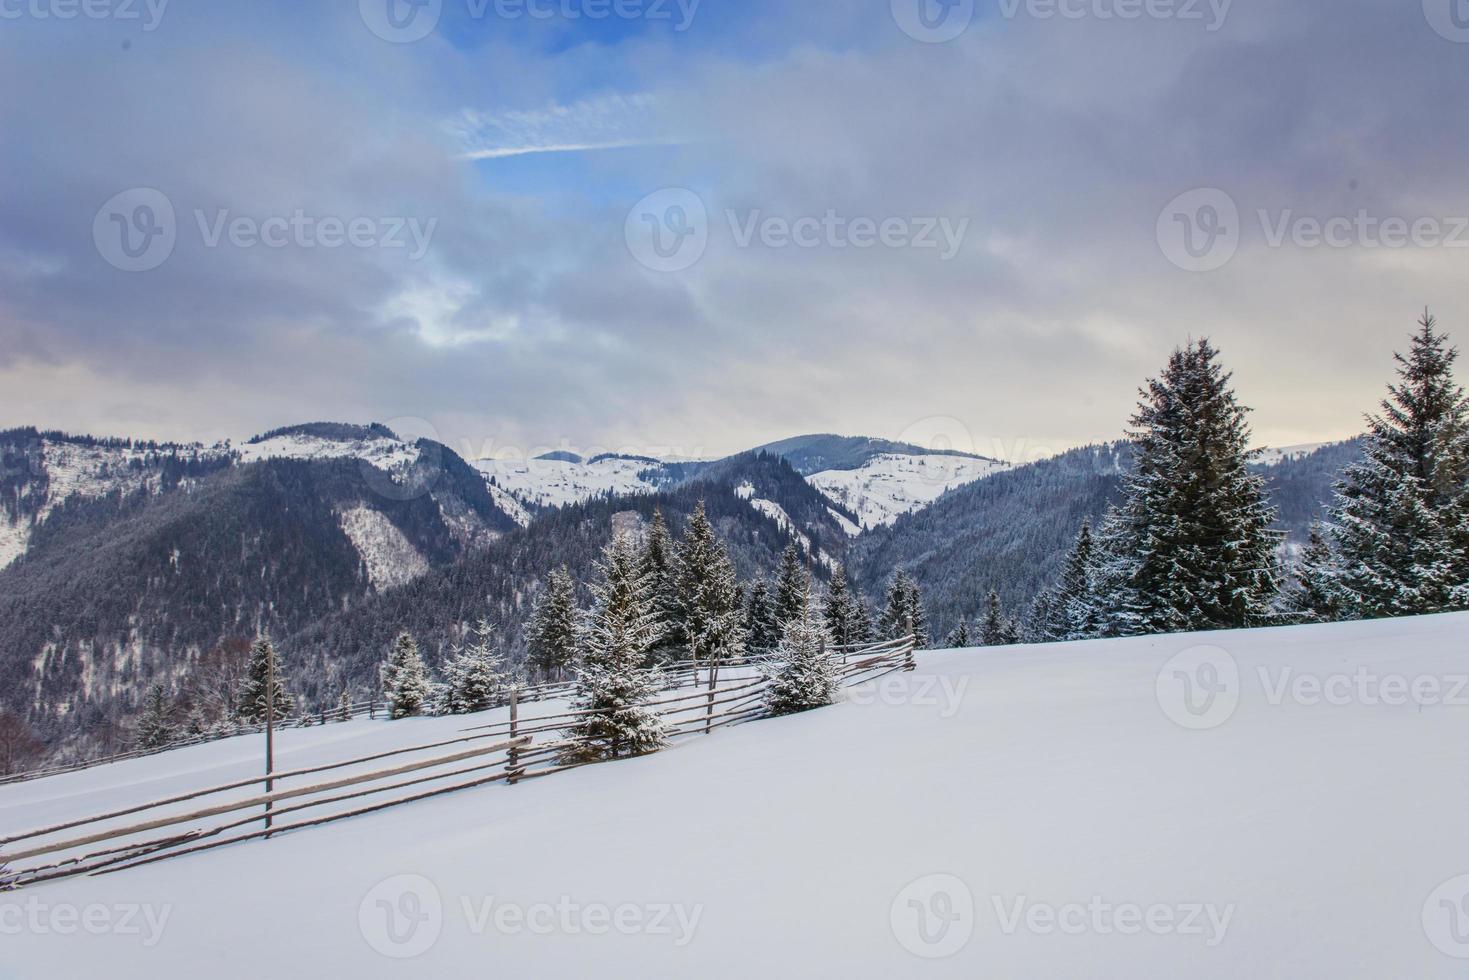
x,y
528,321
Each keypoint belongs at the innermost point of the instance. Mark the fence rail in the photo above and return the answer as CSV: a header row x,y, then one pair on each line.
x,y
520,748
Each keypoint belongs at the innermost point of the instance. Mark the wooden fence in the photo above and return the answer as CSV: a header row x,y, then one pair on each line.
x,y
520,748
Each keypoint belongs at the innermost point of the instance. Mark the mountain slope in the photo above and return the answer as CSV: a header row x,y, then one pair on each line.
x,y
817,453
1010,531
986,800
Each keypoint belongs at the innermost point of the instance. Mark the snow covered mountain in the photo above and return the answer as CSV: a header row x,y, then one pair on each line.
x,y
889,485
560,479
1054,811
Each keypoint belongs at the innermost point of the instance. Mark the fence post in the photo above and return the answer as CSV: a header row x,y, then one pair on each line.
x,y
513,771
269,731
911,663
709,711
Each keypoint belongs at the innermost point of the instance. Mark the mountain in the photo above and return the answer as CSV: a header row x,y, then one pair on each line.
x,y
889,485
1010,531
757,502
559,479
818,453
139,558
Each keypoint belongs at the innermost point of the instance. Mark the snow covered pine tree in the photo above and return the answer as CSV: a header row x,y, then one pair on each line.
x,y
264,662
792,587
708,613
405,679
155,730
1400,526
473,676
803,675
841,610
1190,547
551,635
761,630
611,682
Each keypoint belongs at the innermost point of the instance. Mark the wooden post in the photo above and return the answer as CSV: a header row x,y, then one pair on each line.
x,y
911,663
269,729
709,711
513,771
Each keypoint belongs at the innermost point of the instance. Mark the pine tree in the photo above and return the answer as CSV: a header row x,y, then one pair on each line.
x,y
1040,620
792,588
405,679
612,683
1074,608
762,633
658,563
862,621
264,662
473,676
894,622
155,730
917,615
1190,547
551,635
959,637
709,616
344,705
841,610
803,675
1312,594
992,629
1401,518
194,725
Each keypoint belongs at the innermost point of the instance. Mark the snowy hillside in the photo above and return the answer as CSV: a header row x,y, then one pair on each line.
x,y
1274,803
547,482
888,486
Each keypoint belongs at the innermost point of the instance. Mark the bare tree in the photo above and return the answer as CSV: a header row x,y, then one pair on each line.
x,y
214,684
19,746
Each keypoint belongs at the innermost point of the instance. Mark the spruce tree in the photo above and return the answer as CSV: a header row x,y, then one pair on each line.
x,y
1401,518
264,662
841,610
344,705
1312,594
792,588
473,676
959,637
1190,547
155,730
711,622
803,675
551,635
894,622
992,629
762,633
1040,621
611,682
1074,603
405,679
658,563
863,629
917,615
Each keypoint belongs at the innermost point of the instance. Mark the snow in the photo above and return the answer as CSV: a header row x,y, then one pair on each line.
x,y
888,486
386,454
991,791
86,471
1270,457
846,524
390,557
557,483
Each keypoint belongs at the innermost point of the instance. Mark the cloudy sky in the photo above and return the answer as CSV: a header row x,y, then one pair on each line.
x,y
695,226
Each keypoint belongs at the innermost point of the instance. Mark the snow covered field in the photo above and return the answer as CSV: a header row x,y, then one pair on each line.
x,y
886,487
1272,804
